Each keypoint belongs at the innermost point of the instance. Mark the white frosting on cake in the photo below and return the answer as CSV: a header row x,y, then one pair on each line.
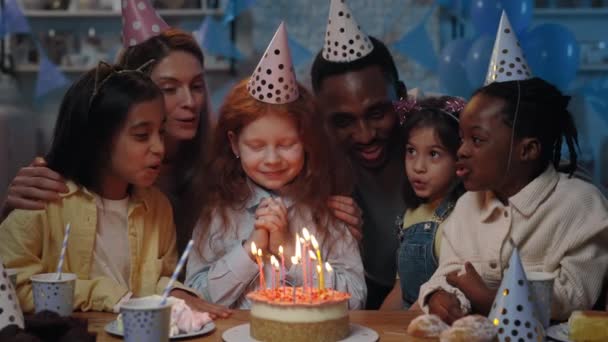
x,y
300,313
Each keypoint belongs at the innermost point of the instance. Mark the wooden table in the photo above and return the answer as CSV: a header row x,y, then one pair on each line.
x,y
390,325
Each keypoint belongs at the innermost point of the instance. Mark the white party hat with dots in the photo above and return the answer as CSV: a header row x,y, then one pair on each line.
x,y
344,40
508,62
140,22
513,309
273,80
10,311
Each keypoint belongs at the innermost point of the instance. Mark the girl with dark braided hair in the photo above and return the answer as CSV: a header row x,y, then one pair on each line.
x,y
511,140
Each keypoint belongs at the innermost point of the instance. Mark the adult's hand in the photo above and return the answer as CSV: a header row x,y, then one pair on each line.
x,y
346,210
34,186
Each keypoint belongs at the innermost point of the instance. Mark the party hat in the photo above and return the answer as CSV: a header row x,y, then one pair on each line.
x,y
274,80
513,309
140,22
507,62
10,311
344,40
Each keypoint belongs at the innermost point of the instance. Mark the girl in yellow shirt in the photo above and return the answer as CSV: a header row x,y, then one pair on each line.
x,y
108,142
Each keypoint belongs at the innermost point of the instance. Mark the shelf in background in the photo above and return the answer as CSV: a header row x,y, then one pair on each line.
x,y
33,68
564,12
194,12
594,67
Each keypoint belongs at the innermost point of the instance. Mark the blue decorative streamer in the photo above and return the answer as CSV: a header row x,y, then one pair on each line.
x,y
214,38
236,7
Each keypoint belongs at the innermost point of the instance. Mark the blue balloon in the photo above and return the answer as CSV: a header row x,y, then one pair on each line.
x,y
452,74
485,16
478,59
552,53
519,13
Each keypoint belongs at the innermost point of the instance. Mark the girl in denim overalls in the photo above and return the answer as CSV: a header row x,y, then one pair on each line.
x,y
431,135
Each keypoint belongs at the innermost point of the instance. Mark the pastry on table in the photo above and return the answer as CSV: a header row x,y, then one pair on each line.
x,y
472,328
588,326
426,328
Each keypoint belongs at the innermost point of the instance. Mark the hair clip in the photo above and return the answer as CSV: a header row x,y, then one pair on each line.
x,y
98,84
454,105
405,106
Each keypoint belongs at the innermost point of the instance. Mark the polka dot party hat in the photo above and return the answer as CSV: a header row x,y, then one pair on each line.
x,y
513,309
344,40
273,80
140,22
508,62
10,311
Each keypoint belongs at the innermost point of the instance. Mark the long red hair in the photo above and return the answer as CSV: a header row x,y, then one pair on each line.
x,y
227,187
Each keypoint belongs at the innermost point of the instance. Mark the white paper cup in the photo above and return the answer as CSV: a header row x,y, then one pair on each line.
x,y
52,294
541,288
145,319
12,275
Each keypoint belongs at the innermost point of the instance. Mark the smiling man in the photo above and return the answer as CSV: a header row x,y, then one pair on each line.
x,y
355,81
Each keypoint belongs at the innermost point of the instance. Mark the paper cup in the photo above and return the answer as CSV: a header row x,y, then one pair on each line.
x,y
52,294
12,275
145,319
541,288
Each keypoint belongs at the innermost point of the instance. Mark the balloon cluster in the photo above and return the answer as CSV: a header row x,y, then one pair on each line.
x,y
551,49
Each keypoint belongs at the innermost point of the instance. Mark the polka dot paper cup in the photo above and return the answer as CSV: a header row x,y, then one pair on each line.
x,y
52,294
145,319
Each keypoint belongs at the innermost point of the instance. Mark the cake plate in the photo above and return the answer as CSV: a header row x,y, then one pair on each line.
x,y
358,333
558,332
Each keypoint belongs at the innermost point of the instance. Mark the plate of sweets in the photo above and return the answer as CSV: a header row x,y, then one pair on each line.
x,y
589,326
184,322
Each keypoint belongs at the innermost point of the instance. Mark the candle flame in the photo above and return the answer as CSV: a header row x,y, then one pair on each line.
x,y
319,269
280,250
259,252
328,267
306,234
254,249
298,247
272,260
294,260
312,255
302,241
314,242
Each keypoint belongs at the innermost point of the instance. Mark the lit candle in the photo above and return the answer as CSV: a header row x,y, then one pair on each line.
x,y
272,277
282,270
312,257
254,252
308,270
277,270
294,261
298,246
261,265
320,272
329,269
315,245
304,263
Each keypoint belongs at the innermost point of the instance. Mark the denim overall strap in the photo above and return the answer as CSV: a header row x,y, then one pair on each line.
x,y
416,259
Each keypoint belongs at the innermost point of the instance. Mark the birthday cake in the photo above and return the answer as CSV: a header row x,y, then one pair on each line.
x,y
288,314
